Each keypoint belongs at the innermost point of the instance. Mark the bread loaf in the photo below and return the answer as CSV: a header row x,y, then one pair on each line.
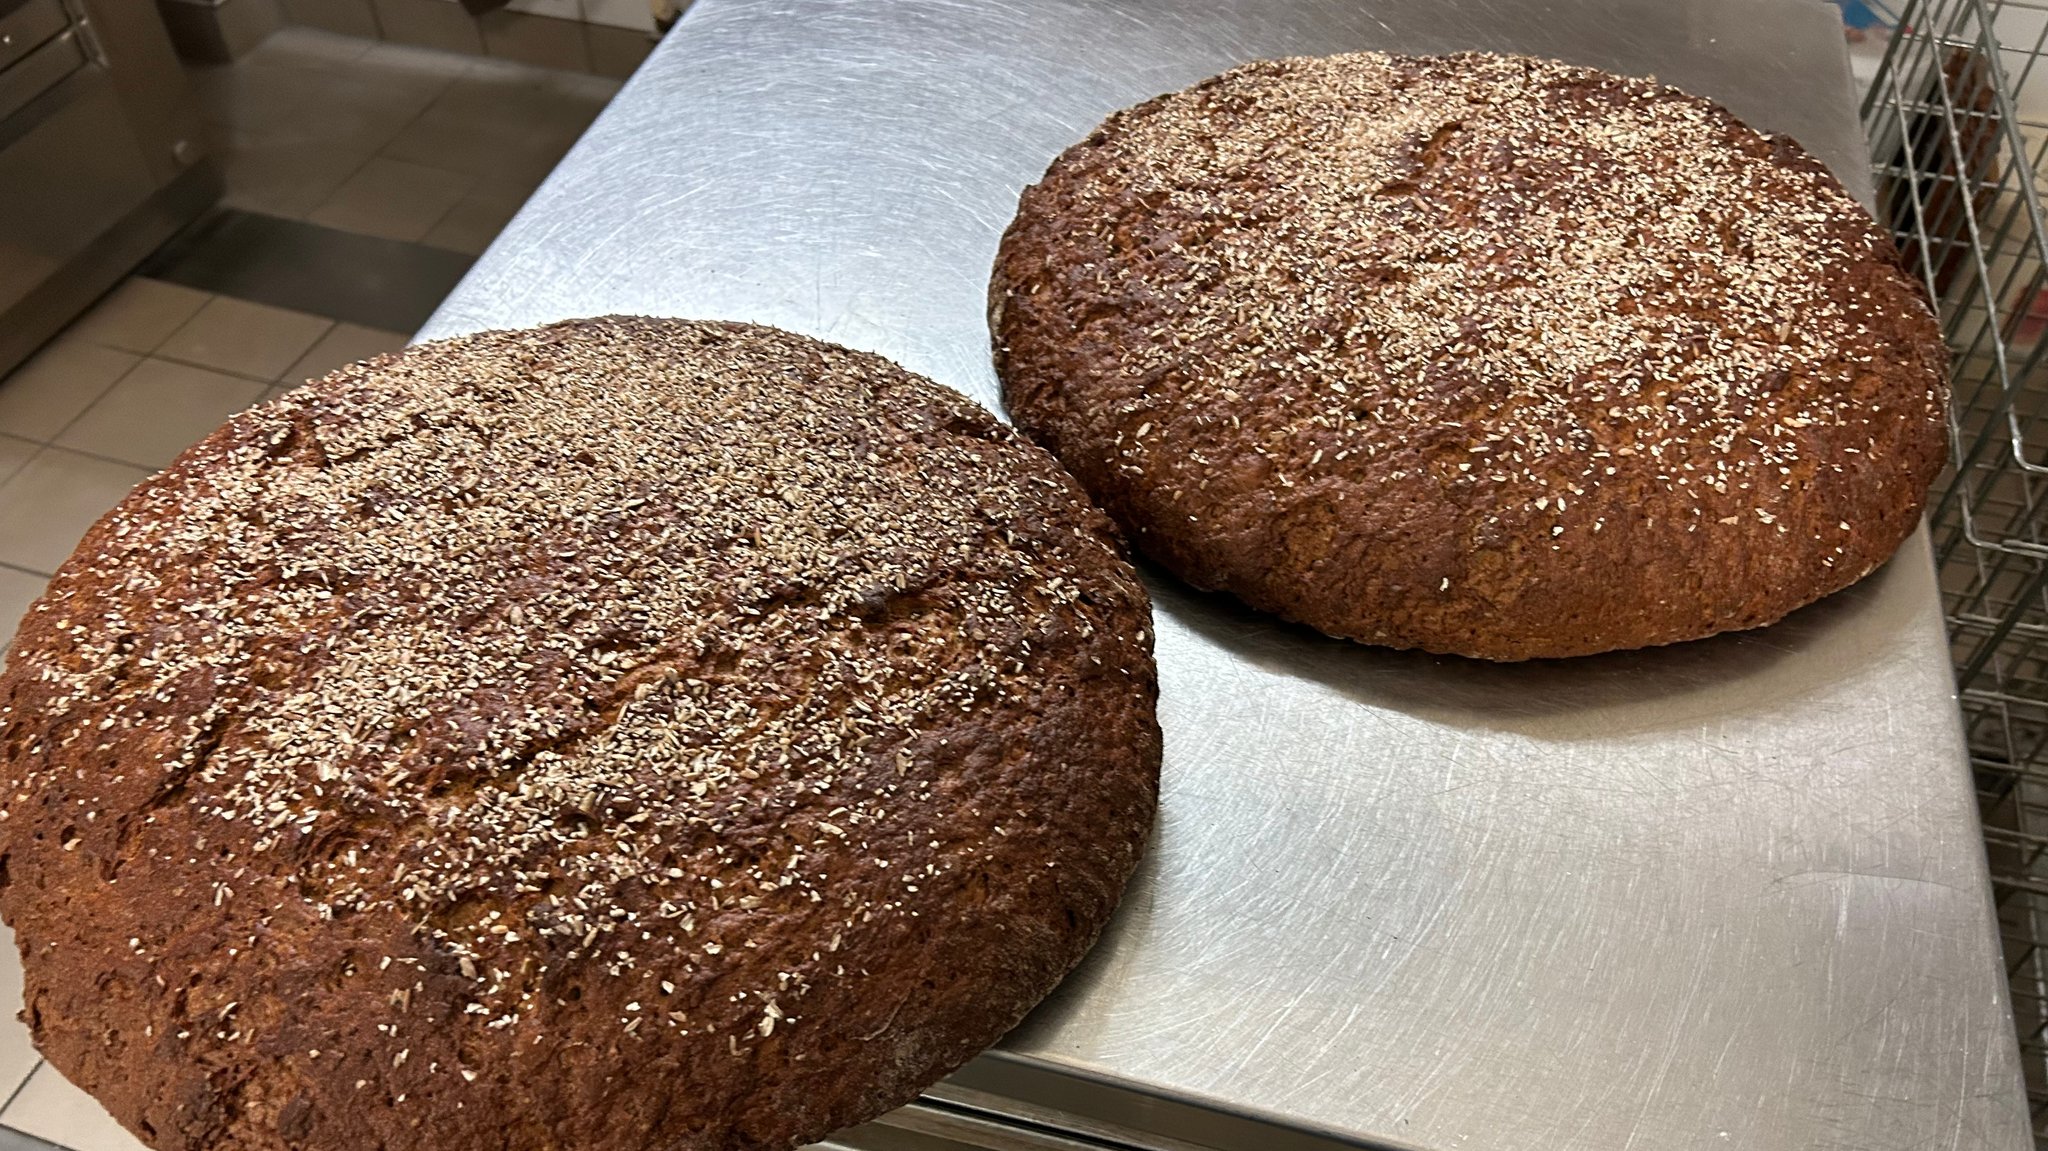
x,y
1479,354
617,735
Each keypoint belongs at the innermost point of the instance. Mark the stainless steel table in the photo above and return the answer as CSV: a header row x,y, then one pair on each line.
x,y
1728,895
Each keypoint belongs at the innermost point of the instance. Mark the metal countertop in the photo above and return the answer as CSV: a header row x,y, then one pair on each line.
x,y
1728,894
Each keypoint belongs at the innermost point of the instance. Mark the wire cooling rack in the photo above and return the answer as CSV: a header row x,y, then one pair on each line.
x,y
1957,138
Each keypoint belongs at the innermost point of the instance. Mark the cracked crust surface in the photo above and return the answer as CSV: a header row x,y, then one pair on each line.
x,y
627,733
1479,354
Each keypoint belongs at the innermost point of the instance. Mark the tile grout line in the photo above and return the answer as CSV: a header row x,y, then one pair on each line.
x,y
19,1087
116,381
210,297
39,575
474,181
52,444
102,458
468,190
245,376
357,171
143,357
324,283
140,359
469,184
10,473
152,469
379,152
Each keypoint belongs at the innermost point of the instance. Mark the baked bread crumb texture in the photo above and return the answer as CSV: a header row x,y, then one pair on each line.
x,y
622,734
1485,355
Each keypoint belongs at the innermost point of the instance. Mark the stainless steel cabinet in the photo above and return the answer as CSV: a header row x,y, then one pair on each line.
x,y
100,157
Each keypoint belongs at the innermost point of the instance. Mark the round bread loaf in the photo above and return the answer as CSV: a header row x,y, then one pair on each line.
x,y
1478,354
623,734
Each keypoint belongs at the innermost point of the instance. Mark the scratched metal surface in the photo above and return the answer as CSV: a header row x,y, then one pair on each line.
x,y
1725,895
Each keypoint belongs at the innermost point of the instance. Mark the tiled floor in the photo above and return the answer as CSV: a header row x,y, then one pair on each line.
x,y
375,139
150,370
388,140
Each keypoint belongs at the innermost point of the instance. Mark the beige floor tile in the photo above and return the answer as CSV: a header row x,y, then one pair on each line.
x,y
559,9
395,199
523,153
49,1107
288,180
158,410
343,344
296,43
541,40
138,315
504,121
616,51
14,452
298,48
571,93
17,590
291,124
352,18
247,339
472,224
637,15
430,23
49,503
385,56
63,379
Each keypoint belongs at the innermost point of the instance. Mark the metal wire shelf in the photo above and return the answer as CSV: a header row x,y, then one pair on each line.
x,y
1957,150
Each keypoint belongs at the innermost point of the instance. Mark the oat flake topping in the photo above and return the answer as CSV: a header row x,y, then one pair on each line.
x,y
1527,300
614,632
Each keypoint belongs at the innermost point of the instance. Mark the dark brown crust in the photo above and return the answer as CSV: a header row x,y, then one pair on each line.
x,y
1192,309
183,965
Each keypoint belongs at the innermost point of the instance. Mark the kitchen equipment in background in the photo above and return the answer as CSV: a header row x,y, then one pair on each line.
x,y
602,37
1957,137
218,31
100,157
